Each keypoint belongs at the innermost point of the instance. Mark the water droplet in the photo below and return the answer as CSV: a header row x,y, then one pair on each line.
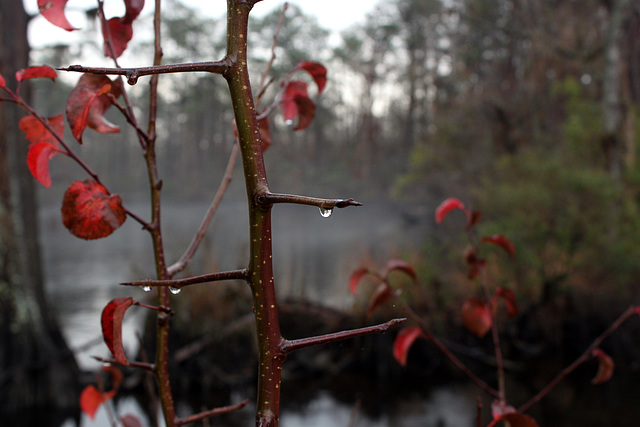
x,y
146,288
132,78
288,122
326,212
174,291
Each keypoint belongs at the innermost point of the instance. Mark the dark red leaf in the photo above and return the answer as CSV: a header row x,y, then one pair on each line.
x,y
130,421
355,278
476,316
499,408
306,112
36,132
515,420
317,71
446,207
53,11
36,73
121,33
380,296
90,212
265,134
38,161
2,82
88,102
605,367
503,242
398,264
403,342
116,379
111,321
510,299
296,103
90,400
133,9
475,264
473,219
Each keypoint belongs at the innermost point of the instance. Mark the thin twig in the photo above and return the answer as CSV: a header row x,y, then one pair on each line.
x,y
268,198
211,413
179,283
184,260
288,346
584,357
132,74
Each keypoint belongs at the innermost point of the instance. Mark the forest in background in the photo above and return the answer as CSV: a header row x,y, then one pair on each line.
x,y
524,109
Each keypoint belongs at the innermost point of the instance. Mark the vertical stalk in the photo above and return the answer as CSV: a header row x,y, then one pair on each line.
x,y
260,271
161,367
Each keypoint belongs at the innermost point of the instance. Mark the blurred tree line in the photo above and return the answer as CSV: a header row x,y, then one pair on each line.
x,y
526,109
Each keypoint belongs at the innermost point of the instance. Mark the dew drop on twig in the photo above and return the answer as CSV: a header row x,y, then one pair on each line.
x,y
326,212
146,288
174,291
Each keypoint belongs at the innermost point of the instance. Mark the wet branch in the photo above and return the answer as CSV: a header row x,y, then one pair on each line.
x,y
211,413
132,74
269,198
179,283
289,346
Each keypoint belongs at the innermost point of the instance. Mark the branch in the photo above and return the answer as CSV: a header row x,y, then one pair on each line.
x,y
132,74
211,413
179,283
139,365
182,263
268,198
289,346
584,357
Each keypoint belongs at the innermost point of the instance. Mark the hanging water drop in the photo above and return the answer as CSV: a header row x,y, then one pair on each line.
x,y
132,78
326,212
174,291
146,288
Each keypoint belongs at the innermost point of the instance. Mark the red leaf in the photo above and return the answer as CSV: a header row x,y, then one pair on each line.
x,y
515,420
473,219
317,71
510,299
605,367
121,33
36,132
380,296
296,103
403,342
38,161
265,134
2,82
88,102
53,11
133,9
112,316
503,242
475,264
306,112
499,408
446,207
130,421
398,264
476,316
36,73
90,400
355,278
90,212
116,379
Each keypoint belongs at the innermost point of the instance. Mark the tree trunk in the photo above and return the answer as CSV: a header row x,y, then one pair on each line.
x,y
37,369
